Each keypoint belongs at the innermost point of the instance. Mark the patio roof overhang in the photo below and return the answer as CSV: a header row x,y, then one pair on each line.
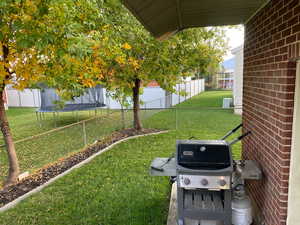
x,y
163,18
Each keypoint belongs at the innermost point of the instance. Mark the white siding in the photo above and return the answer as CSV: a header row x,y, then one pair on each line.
x,y
238,79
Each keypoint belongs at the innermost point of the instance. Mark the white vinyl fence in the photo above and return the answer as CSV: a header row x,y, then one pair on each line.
x,y
25,98
153,97
156,97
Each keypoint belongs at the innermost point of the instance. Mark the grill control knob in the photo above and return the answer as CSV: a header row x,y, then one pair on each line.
x,y
204,182
222,182
186,181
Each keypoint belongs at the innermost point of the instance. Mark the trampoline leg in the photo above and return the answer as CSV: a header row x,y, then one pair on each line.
x,y
37,116
41,119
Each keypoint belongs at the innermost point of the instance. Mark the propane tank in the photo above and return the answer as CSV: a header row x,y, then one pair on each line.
x,y
241,207
202,222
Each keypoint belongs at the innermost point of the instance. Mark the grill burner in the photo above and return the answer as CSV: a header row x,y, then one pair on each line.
x,y
206,175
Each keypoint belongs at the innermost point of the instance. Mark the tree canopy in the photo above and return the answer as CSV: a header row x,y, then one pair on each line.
x,y
74,44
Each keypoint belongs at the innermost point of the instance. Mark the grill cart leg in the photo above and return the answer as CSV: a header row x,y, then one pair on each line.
x,y
227,207
180,205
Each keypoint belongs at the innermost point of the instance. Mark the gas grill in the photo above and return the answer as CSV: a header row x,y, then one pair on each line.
x,y
206,174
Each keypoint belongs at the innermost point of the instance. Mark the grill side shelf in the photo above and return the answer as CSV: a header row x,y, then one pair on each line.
x,y
163,167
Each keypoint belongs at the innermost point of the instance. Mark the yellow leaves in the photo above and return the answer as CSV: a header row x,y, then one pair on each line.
x,y
1,49
21,85
86,81
3,72
89,83
26,17
31,6
105,27
126,46
96,46
134,63
100,76
105,39
121,60
131,63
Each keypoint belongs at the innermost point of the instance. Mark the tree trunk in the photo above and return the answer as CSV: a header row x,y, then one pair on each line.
x,y
136,104
10,147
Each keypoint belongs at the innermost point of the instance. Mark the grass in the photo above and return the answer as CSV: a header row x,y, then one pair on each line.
x,y
115,188
35,153
199,118
24,123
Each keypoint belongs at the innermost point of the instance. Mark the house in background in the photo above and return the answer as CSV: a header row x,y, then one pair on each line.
x,y
225,77
238,79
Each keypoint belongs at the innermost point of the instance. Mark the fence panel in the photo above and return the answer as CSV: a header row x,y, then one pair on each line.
x,y
25,98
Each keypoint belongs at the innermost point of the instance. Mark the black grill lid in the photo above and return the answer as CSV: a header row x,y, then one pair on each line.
x,y
208,155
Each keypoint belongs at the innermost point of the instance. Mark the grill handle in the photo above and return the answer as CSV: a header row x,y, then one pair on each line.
x,y
239,138
232,131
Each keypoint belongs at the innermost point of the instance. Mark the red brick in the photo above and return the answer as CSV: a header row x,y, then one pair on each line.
x,y
293,4
291,22
291,39
286,32
269,85
296,28
296,10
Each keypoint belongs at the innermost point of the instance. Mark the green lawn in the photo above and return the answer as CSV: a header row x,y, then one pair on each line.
x,y
115,188
24,123
35,153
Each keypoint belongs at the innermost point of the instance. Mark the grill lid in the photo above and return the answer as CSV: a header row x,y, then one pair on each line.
x,y
204,155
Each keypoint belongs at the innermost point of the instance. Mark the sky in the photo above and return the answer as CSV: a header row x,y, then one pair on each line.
x,y
236,38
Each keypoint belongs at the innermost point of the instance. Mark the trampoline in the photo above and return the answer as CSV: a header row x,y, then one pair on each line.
x,y
91,99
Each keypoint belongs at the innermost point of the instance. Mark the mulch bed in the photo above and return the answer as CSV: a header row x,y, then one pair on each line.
x,y
10,193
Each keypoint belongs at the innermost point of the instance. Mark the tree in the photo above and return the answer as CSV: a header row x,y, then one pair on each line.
x,y
135,58
74,44
121,55
37,39
18,61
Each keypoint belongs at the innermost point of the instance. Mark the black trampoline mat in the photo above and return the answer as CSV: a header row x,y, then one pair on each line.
x,y
71,107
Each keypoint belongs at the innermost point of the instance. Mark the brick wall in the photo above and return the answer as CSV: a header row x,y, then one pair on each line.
x,y
271,47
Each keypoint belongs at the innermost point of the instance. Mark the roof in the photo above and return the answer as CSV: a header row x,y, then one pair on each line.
x,y
237,49
165,17
153,84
